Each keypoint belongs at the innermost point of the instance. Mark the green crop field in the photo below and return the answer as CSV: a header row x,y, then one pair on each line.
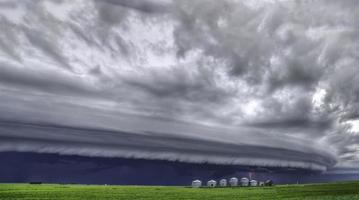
x,y
337,191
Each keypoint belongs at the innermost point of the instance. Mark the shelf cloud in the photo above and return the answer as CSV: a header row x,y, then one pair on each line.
x,y
274,83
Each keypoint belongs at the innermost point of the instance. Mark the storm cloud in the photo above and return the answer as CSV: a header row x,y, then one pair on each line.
x,y
274,83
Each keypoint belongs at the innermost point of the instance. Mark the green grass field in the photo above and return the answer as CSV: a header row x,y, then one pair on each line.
x,y
338,191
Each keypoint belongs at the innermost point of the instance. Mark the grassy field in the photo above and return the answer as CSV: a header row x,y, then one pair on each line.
x,y
334,191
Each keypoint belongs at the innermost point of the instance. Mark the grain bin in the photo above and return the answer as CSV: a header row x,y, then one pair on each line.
x,y
244,181
223,182
196,183
212,183
233,181
253,183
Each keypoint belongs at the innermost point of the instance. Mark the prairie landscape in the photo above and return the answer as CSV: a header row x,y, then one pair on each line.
x,y
331,191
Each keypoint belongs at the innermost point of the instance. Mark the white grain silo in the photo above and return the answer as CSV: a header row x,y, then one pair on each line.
x,y
196,183
253,183
244,181
212,183
233,181
223,183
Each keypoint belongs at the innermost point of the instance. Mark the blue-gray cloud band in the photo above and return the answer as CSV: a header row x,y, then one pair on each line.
x,y
108,143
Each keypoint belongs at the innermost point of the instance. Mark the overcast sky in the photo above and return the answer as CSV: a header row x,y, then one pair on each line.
x,y
274,83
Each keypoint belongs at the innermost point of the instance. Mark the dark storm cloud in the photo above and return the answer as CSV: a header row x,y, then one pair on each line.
x,y
294,123
142,6
8,40
179,84
248,40
110,13
96,170
45,81
96,142
257,75
8,4
48,46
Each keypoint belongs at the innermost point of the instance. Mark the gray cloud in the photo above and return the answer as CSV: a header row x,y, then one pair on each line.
x,y
95,142
44,81
221,80
142,6
46,45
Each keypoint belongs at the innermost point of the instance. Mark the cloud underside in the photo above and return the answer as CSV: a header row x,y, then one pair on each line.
x,y
231,82
107,143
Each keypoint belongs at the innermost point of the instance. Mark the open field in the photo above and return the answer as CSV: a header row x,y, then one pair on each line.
x,y
333,191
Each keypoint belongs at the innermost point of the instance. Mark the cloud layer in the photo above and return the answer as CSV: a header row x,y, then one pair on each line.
x,y
232,82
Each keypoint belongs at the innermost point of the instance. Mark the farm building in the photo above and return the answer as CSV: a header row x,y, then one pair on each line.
x,y
223,182
244,181
196,183
233,181
35,182
212,183
253,183
268,183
